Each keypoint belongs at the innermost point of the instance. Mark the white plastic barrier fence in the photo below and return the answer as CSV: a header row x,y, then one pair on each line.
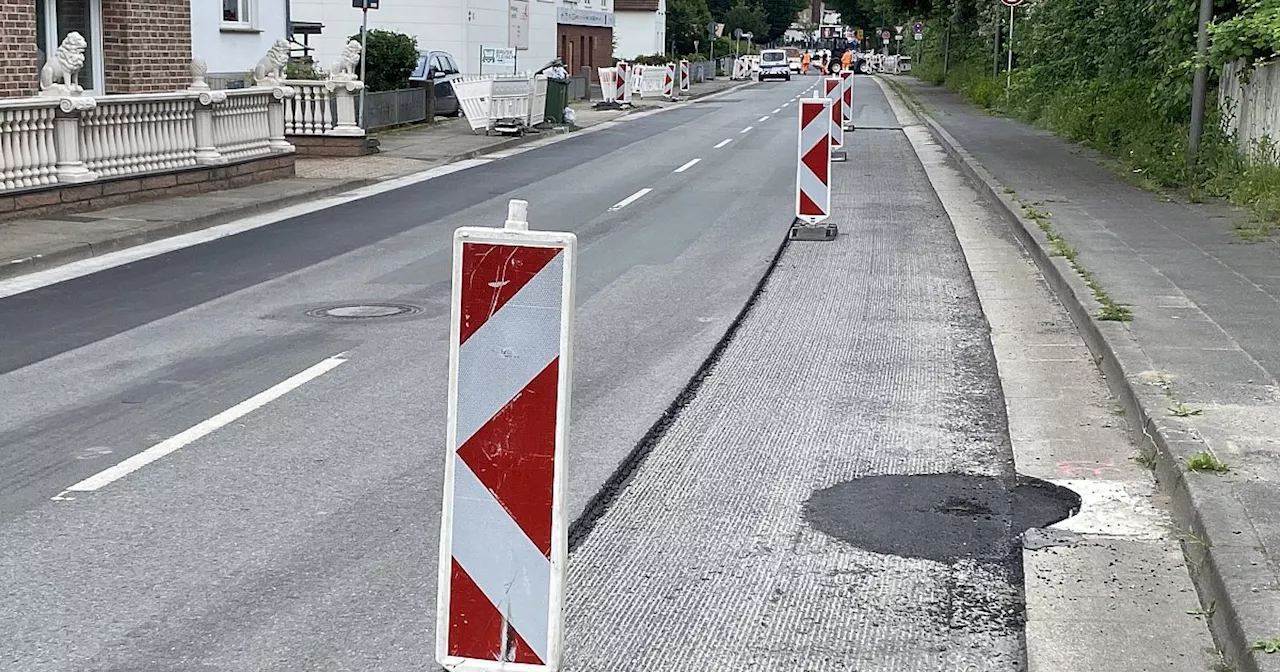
x,y
538,102
474,94
651,81
608,83
637,79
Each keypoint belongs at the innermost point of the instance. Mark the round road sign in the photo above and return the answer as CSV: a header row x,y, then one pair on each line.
x,y
1012,3
884,34
917,28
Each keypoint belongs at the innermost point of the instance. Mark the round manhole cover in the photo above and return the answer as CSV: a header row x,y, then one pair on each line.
x,y
364,311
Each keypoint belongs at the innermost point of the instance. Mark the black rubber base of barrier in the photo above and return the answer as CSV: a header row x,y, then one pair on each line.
x,y
805,231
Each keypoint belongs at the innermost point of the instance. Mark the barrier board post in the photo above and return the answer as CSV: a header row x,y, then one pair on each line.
x,y
684,77
846,105
833,93
669,86
813,172
504,533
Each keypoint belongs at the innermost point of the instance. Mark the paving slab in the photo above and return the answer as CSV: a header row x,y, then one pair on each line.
x,y
1215,356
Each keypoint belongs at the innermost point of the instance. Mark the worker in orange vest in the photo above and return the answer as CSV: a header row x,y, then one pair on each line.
x,y
846,59
805,62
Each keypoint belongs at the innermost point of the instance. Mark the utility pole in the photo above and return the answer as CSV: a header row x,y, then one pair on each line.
x,y
1200,84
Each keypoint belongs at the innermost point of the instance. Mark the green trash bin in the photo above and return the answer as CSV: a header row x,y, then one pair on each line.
x,y
557,100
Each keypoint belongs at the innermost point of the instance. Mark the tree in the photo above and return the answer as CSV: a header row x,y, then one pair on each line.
x,y
749,17
392,57
779,14
686,22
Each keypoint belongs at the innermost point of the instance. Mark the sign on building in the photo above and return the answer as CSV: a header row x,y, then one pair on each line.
x,y
497,56
518,24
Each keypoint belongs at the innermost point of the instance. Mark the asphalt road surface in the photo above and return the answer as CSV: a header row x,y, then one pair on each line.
x,y
303,535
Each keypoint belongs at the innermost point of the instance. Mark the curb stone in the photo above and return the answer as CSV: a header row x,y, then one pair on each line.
x,y
1204,508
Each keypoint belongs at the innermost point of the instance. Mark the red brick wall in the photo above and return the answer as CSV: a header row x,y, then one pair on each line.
x,y
146,45
18,74
584,46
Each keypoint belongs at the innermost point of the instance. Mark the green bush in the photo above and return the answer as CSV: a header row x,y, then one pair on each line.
x,y
392,58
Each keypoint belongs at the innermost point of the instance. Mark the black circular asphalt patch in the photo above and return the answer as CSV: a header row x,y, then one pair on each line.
x,y
940,517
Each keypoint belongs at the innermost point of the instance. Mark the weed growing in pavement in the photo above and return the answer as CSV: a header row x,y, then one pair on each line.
x,y
1191,537
1059,247
1206,461
1144,460
1267,645
1254,232
1207,612
1181,410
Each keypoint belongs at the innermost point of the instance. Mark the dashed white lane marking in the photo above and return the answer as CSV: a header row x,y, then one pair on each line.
x,y
747,129
630,199
687,166
777,110
176,442
722,143
764,118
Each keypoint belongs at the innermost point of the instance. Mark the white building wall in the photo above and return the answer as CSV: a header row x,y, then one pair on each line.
x,y
235,51
460,27
640,33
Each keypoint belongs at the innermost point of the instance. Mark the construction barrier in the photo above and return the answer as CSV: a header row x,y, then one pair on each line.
x,y
684,77
504,531
813,171
608,83
669,82
651,81
846,103
832,89
503,103
622,95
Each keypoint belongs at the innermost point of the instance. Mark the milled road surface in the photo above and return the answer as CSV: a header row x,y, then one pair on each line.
x,y
303,535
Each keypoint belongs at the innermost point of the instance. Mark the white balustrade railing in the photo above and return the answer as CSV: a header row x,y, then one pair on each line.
x,y
322,107
70,139
311,111
27,156
127,135
241,128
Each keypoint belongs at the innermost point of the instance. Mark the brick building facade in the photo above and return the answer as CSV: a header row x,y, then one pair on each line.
x,y
134,46
584,39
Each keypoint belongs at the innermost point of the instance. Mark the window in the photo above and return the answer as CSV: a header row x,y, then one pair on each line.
x,y
55,19
439,65
237,13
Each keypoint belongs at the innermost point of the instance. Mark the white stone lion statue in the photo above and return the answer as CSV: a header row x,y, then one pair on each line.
x,y
58,76
344,69
270,70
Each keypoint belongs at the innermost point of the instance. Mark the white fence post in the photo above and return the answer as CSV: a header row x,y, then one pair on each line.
x,y
66,140
275,118
343,93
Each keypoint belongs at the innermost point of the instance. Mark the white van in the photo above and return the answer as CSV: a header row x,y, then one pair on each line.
x,y
773,65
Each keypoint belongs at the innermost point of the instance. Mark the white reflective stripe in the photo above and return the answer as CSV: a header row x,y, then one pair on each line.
x,y
509,350
500,559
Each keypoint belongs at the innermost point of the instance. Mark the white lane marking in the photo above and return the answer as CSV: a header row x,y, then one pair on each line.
x,y
687,166
777,109
630,199
173,443
722,143
764,118
747,129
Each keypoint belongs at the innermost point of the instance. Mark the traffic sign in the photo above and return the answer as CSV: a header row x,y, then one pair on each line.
x,y
859,34
1012,3
919,37
504,534
917,28
898,28
884,35
364,4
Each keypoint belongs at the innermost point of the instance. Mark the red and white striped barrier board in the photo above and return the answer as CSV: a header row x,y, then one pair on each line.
x,y
846,104
684,77
669,82
813,167
623,95
504,536
832,90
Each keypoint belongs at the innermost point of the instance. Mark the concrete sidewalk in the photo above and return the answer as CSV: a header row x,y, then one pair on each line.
x,y
1196,365
29,245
